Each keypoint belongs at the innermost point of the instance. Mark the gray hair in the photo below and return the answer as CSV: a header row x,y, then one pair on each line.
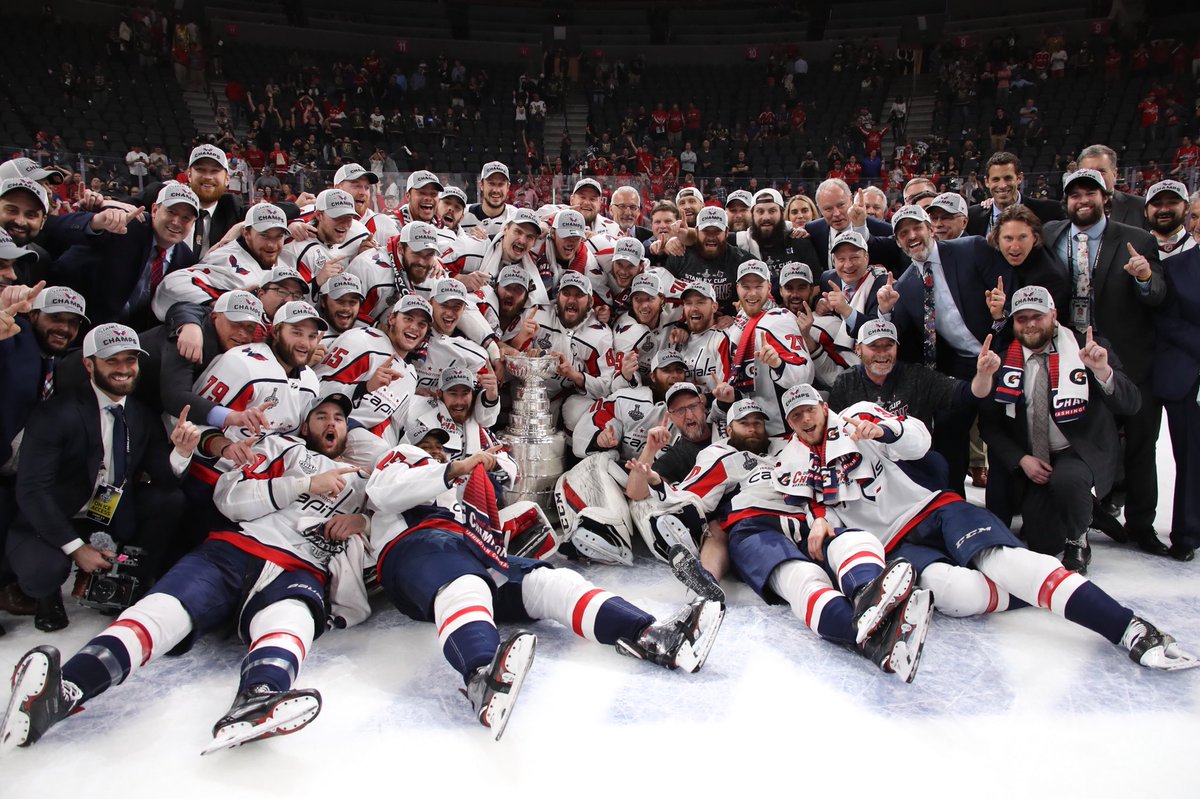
x,y
874,190
636,194
829,184
1099,151
1195,197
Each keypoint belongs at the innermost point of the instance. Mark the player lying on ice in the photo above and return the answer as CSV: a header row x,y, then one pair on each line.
x,y
294,509
442,559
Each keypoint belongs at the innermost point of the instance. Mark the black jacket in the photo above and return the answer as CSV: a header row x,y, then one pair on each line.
x,y
978,217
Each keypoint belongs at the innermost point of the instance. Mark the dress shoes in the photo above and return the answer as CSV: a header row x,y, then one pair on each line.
x,y
50,614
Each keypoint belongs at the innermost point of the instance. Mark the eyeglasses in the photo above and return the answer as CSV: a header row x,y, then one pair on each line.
x,y
291,295
684,410
626,206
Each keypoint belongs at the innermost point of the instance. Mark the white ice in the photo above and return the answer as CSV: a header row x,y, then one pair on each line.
x,y
1019,704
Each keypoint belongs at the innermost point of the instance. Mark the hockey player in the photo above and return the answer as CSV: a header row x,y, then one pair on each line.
x,y
645,328
843,467
767,238
420,198
770,546
737,210
478,263
407,264
583,346
339,301
338,237
445,348
587,197
628,261
490,214
440,560
451,209
466,407
563,249
707,350
796,287
506,307
357,182
294,508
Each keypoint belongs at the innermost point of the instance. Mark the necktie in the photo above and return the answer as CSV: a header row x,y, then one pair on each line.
x,y
120,443
1039,408
157,267
929,350
47,378
200,238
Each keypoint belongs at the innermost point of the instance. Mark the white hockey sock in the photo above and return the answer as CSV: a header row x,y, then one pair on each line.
x,y
1040,580
856,557
814,600
151,627
959,591
280,636
461,602
590,612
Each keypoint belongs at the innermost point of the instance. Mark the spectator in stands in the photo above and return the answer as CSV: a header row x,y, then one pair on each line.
x,y
1004,179
1000,129
1148,118
1186,163
1126,208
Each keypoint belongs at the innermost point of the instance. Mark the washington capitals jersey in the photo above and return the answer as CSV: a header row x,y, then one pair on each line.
x,y
776,328
442,352
227,268
590,346
250,376
352,358
474,217
632,410
733,485
708,358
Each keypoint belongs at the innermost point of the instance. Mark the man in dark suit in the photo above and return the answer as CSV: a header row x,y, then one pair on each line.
x,y
1116,283
80,449
119,273
940,309
849,287
1123,207
839,214
1057,448
1004,178
625,208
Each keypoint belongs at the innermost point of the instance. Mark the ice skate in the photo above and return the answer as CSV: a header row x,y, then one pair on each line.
x,y
493,689
682,641
1154,649
896,646
875,600
674,532
262,713
39,699
699,580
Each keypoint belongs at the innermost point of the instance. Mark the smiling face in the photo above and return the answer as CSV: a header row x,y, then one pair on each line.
x,y
1035,329
850,263
232,334
624,272
808,423
1166,212
407,330
646,308
265,247
325,430
422,202
418,263
457,400
916,239
1085,204
1003,181
359,189
493,192
116,376
293,344
753,293
333,229
208,180
54,331
446,315
878,357
624,208
450,211
689,206
834,204
518,241
946,226
698,312
587,202
341,312
573,306
173,223
749,434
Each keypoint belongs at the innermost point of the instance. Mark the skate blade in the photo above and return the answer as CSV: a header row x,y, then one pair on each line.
x,y
287,717
595,548
687,570
691,657
892,595
906,655
517,661
29,680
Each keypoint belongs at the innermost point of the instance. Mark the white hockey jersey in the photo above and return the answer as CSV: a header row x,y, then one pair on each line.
x,y
488,305
382,227
590,346
249,376
469,254
442,352
474,217
227,268
732,485
309,256
708,358
465,439
632,410
352,359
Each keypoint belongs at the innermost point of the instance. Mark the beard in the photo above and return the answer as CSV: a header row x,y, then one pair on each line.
x,y
750,443
109,387
769,241
1164,224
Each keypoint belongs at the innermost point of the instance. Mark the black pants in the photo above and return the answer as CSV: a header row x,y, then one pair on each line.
x,y
1141,462
952,427
1060,510
1183,420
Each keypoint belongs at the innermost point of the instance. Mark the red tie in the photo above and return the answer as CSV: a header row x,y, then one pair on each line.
x,y
156,268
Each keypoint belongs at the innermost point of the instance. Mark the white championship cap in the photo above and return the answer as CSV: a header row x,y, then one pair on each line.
x,y
353,172
297,311
239,306
110,339
60,299
212,153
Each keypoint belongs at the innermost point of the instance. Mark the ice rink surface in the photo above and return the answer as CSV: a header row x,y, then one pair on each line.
x,y
1019,704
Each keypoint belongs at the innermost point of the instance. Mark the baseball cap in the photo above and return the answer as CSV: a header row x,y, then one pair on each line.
x,y
335,202
512,275
419,236
337,398
743,408
211,152
523,216
798,396
413,302
850,237
353,172
666,357
342,284
448,289
906,212
296,311
629,249
689,191
768,196
455,192
795,271
569,222
754,267
493,168
418,431
175,193
59,299
575,280
951,203
1167,185
877,329
456,376
280,273
646,283
30,169
107,340
1084,174
701,287
682,387
422,177
586,182
240,306
264,216
9,250
1032,298
25,184
712,216
740,196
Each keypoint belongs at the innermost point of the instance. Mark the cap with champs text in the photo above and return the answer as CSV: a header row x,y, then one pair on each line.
x,y
239,306
29,169
282,272
588,183
296,311
743,408
512,275
1085,174
448,290
571,279
335,202
682,387
59,299
754,267
1032,298
627,248
454,193
712,216
422,178
907,212
950,202
569,222
666,357
798,396
411,303
342,284
701,287
523,216
10,250
264,216
419,236
212,153
110,339
494,168
175,193
354,172
456,376
849,237
646,283
27,185
740,196
1173,186
418,431
875,330
795,270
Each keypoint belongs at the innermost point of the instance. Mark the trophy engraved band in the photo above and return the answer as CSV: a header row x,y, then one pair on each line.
x,y
534,443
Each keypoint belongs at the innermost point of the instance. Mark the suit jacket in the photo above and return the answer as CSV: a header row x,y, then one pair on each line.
x,y
228,211
971,267
818,231
61,456
1177,356
870,307
978,217
20,383
1093,436
106,271
1043,269
1128,209
1123,314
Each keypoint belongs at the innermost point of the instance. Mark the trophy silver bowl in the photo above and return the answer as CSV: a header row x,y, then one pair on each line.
x,y
536,446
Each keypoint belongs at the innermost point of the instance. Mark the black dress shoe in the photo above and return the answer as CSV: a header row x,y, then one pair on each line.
x,y
1108,524
50,614
1147,541
1077,555
1182,552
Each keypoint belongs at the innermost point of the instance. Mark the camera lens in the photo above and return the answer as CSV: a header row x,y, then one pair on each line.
x,y
103,590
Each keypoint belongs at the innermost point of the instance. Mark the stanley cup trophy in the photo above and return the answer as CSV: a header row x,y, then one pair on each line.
x,y
533,442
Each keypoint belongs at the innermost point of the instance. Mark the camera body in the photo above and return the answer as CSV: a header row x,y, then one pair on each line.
x,y
116,587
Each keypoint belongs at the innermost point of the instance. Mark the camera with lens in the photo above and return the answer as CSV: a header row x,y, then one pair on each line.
x,y
118,586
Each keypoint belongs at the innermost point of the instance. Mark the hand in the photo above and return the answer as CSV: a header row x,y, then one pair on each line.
x,y
996,299
252,419
343,526
565,368
658,245
318,354
645,470
723,392
862,430
331,482
488,383
629,364
230,235
799,232
186,435
723,321
1138,266
675,246
301,231
12,295
305,198
818,531
367,244
657,440
1095,357
836,300
768,355
679,336
478,233
90,201
383,375
987,204
988,362
887,296
113,220
529,328
190,343
603,313
8,315
1036,469
333,266
857,214
804,319
608,436
89,559
474,281
239,453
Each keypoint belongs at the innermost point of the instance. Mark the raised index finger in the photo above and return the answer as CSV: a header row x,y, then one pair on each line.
x,y
1132,250
987,343
1000,283
183,416
1089,334
136,213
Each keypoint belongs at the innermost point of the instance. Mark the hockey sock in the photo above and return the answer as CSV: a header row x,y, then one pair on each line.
x,y
465,623
280,635
807,588
1042,580
856,557
592,613
959,591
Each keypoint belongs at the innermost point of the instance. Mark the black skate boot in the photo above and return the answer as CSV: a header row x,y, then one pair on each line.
x,y
259,712
681,641
875,600
698,579
897,643
493,689
40,698
1150,647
